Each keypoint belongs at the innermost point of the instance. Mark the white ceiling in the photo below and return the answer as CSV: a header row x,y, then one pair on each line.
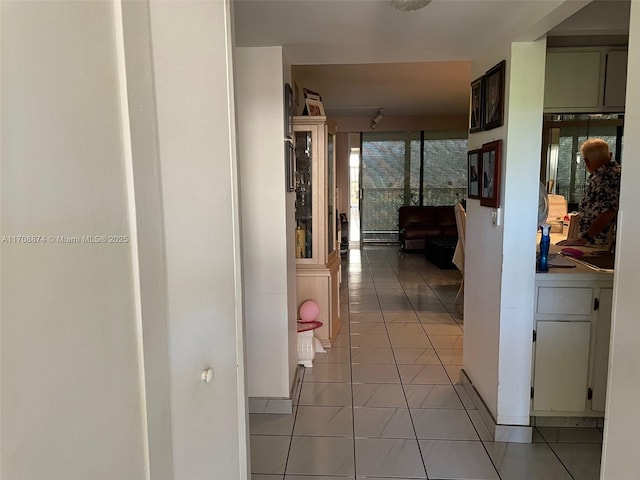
x,y
362,55
423,88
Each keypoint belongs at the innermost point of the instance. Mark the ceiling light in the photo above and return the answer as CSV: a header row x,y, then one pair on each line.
x,y
409,5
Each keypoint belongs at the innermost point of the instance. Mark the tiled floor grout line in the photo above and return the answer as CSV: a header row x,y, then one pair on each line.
x,y
293,425
353,413
463,403
555,454
402,384
466,410
394,286
404,391
451,383
406,400
469,416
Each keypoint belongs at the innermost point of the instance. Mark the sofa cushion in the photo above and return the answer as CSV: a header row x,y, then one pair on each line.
x,y
449,231
421,231
414,215
446,216
419,223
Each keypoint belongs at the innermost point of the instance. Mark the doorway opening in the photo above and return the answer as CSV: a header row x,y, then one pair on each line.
x,y
354,196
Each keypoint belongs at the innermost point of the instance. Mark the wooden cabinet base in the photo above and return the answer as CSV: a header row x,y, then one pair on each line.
x,y
322,284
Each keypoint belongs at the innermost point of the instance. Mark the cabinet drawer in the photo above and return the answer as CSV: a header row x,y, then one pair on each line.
x,y
564,300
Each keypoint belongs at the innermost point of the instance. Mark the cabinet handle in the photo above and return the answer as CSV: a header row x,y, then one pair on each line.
x,y
596,304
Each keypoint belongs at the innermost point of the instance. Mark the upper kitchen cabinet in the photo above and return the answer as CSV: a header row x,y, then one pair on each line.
x,y
615,86
585,80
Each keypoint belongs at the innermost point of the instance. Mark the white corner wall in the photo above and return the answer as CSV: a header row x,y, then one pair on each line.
x,y
483,268
500,260
520,213
136,40
291,254
195,114
72,400
265,208
620,460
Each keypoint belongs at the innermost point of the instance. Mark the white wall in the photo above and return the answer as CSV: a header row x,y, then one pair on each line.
x,y
150,234
620,460
191,51
291,254
500,260
483,268
265,233
343,153
520,213
70,381
404,123
103,344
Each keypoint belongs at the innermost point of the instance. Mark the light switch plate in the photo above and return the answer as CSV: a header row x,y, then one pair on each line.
x,y
495,217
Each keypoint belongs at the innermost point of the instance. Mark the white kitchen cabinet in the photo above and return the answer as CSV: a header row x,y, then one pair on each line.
x,y
585,80
572,79
601,349
561,366
615,87
571,342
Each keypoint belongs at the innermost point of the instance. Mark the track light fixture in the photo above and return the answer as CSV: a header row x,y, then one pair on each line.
x,y
409,5
376,119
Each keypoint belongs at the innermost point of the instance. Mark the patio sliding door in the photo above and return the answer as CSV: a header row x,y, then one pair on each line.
x,y
408,168
390,178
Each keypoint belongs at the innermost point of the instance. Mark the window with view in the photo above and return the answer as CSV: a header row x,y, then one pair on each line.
x,y
405,168
563,168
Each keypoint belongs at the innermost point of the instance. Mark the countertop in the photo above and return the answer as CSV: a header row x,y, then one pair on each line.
x,y
579,272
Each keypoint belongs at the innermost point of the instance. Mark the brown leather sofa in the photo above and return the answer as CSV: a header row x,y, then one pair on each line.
x,y
418,224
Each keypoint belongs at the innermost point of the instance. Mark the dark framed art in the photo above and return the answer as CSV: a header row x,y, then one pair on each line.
x,y
312,103
290,164
494,96
474,167
475,121
288,111
490,183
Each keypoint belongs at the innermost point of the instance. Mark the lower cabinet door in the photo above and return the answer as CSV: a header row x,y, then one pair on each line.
x,y
561,366
601,353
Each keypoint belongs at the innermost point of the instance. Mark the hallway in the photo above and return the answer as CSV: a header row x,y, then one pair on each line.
x,y
385,402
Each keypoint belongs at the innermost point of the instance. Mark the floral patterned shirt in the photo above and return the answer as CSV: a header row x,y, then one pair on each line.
x,y
602,195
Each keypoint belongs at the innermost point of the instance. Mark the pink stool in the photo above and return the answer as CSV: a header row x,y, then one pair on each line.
x,y
307,342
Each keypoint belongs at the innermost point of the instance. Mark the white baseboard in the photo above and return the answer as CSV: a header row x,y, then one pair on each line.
x,y
498,432
282,405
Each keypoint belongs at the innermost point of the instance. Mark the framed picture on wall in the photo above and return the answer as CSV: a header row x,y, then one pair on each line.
x,y
475,121
490,182
290,164
474,184
494,96
288,111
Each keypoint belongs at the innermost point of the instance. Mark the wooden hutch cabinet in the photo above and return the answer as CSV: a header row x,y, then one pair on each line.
x,y
316,240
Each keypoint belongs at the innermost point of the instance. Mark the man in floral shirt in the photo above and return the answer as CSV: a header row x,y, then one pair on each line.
x,y
599,207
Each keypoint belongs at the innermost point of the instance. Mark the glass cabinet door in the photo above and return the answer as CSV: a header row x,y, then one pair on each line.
x,y
304,195
331,192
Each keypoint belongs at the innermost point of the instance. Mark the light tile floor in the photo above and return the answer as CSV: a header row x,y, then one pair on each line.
x,y
385,402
